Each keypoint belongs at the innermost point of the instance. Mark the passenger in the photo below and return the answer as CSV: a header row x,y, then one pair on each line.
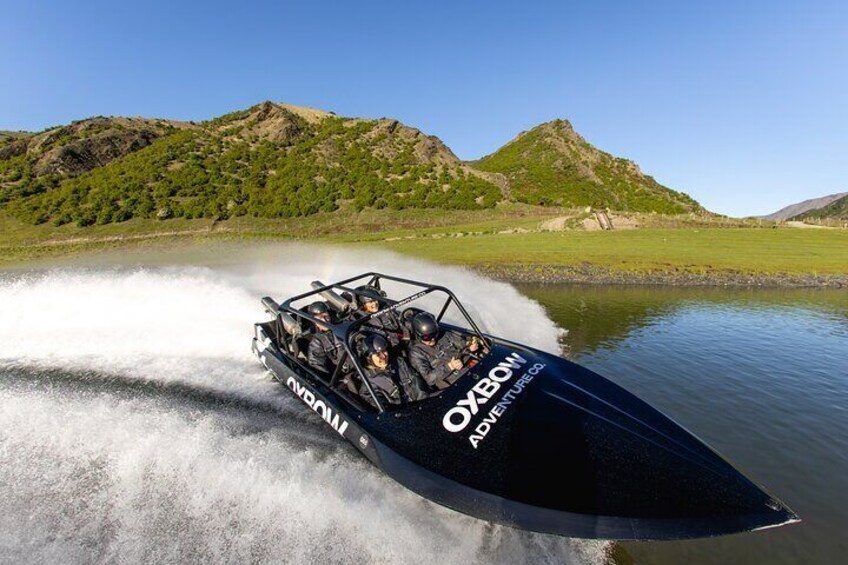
x,y
389,375
386,324
325,351
435,355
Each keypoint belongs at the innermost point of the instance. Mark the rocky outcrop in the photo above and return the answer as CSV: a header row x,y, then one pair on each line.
x,y
79,156
13,148
389,136
87,144
268,121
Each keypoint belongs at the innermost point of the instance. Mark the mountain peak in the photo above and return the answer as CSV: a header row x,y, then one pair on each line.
x,y
311,115
558,123
553,164
558,126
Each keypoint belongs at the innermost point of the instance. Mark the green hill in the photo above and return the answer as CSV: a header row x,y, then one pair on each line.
x,y
279,161
271,160
553,165
836,210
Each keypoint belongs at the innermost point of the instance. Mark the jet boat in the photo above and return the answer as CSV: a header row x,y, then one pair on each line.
x,y
519,436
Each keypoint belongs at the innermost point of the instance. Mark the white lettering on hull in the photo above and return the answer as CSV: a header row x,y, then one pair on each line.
x,y
319,406
457,418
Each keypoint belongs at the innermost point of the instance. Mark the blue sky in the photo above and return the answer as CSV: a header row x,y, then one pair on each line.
x,y
744,105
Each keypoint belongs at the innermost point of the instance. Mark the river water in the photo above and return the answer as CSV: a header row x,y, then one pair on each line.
x,y
760,375
135,425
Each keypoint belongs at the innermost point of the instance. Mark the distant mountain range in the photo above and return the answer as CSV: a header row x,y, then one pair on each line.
x,y
836,210
277,160
830,206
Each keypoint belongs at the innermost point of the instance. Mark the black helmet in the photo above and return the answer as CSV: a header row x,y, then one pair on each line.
x,y
366,293
425,326
317,307
375,343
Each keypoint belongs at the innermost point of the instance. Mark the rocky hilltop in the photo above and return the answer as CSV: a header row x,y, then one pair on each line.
x,y
277,160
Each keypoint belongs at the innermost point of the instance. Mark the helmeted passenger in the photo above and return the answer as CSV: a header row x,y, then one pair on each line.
x,y
386,324
434,354
389,375
325,351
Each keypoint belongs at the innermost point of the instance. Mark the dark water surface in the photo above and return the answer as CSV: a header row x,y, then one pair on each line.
x,y
760,375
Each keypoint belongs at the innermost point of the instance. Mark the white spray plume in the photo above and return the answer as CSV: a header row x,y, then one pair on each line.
x,y
141,479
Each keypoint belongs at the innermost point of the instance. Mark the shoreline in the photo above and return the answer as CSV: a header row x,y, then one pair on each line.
x,y
592,274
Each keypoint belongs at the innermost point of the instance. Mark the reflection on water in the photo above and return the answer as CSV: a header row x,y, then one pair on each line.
x,y
603,316
761,375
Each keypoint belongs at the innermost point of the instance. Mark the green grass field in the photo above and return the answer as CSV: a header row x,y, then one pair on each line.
x,y
794,251
477,238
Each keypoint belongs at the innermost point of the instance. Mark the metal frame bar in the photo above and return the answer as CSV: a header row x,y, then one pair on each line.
x,y
345,330
444,309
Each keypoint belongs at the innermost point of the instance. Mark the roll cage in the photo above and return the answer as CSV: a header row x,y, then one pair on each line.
x,y
345,329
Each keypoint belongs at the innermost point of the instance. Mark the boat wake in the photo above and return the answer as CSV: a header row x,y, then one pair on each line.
x,y
135,425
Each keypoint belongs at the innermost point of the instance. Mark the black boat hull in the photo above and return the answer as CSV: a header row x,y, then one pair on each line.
x,y
531,441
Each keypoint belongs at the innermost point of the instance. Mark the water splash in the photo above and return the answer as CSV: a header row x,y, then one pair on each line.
x,y
145,477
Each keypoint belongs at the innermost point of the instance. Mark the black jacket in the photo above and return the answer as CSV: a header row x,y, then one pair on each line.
x,y
325,351
432,362
384,385
396,384
387,325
